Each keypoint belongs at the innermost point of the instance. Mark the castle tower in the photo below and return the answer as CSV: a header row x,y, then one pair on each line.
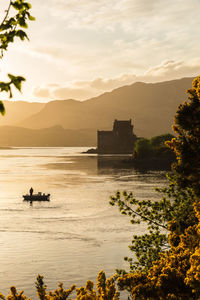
x,y
118,141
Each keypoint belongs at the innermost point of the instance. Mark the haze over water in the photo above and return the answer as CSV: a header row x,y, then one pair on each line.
x,y
76,234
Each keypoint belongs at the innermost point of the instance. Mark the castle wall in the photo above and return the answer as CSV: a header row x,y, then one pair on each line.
x,y
105,142
118,141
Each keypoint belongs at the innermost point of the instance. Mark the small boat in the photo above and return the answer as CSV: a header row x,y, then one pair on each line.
x,y
36,197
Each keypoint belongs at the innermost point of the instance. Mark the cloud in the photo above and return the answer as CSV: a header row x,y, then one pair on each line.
x,y
173,69
82,90
158,31
42,92
59,92
102,12
117,56
108,14
109,84
87,47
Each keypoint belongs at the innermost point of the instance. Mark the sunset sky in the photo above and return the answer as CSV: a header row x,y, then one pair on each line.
x,y
81,48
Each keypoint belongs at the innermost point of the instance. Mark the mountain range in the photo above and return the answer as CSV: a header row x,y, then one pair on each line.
x,y
151,106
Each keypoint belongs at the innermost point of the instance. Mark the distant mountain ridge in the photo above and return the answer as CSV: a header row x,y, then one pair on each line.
x,y
55,136
151,106
16,111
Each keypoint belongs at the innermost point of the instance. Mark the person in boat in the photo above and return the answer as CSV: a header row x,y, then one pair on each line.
x,y
31,191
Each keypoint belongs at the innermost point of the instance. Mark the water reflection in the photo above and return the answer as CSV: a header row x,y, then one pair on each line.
x,y
77,228
101,165
113,164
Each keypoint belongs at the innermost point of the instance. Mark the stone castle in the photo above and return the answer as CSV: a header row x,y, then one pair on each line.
x,y
118,141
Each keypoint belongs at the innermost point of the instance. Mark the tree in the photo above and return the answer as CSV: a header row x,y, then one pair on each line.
x,y
159,141
13,27
168,267
105,290
176,274
153,153
176,204
143,148
187,143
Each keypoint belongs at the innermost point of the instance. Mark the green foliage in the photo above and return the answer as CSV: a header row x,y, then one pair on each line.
x,y
14,295
40,287
153,148
187,143
58,294
14,80
143,148
176,275
13,27
175,204
159,141
105,290
168,262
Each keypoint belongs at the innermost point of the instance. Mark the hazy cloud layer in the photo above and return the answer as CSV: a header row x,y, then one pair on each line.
x,y
110,13
173,69
87,47
82,90
146,17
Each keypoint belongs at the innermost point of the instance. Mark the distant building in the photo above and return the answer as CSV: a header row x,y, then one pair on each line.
x,y
118,141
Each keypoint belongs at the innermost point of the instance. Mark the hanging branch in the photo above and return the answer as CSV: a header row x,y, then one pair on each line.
x,y
10,28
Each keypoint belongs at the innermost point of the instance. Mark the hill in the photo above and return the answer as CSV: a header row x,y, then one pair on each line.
x,y
16,111
151,106
47,137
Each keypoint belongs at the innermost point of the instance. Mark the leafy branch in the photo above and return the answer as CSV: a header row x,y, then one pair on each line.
x,y
10,28
7,13
175,204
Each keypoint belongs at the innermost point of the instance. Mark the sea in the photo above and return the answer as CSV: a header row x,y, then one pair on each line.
x,y
78,233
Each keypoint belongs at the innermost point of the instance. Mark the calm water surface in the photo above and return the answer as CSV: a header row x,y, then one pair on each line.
x,y
78,233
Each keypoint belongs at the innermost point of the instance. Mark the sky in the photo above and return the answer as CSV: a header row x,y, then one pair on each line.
x,y
79,49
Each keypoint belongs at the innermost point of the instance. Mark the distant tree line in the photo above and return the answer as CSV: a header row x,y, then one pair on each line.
x,y
153,153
